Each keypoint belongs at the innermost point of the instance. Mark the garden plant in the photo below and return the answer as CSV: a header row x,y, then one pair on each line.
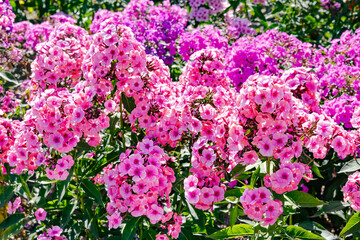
x,y
192,119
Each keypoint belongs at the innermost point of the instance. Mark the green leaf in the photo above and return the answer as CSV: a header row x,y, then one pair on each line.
x,y
12,219
90,222
233,215
66,214
300,233
237,169
239,230
91,189
6,195
316,170
314,226
130,228
352,226
235,192
63,185
12,230
128,102
258,13
351,166
304,199
254,177
332,207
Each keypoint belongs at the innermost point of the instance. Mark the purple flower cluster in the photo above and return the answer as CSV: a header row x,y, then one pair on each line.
x,y
341,109
7,18
268,54
199,39
157,27
202,9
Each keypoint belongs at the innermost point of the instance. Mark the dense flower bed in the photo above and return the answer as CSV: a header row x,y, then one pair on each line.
x,y
156,124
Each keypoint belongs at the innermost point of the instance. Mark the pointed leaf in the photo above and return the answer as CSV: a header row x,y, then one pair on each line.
x,y
12,219
300,233
128,102
66,214
352,226
131,228
6,195
239,230
351,166
91,189
233,215
304,199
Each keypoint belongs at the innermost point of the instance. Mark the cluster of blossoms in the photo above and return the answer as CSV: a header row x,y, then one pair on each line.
x,y
59,171
202,9
267,54
259,206
140,184
338,66
341,109
8,130
156,27
329,4
53,233
8,102
7,18
288,177
286,124
59,59
237,26
13,206
199,39
352,191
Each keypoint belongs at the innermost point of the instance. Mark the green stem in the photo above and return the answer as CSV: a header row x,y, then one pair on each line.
x,y
78,182
122,124
268,165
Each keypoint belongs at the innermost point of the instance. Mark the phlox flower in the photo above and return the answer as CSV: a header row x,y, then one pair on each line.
x,y
40,214
266,147
207,112
249,157
207,195
154,213
114,220
192,195
13,206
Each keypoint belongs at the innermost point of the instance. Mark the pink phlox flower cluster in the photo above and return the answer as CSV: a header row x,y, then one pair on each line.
x,y
259,206
140,184
60,58
8,102
352,191
60,170
288,177
203,188
282,119
53,233
304,86
8,130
